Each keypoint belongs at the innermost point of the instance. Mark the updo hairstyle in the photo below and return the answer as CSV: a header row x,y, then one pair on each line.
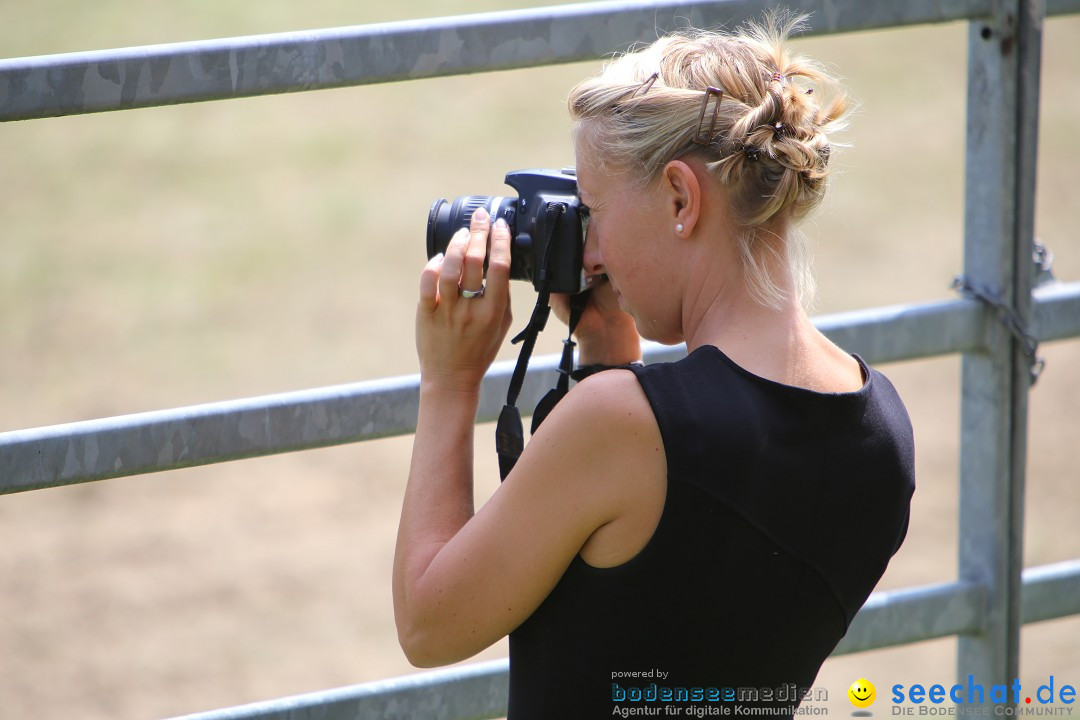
x,y
769,145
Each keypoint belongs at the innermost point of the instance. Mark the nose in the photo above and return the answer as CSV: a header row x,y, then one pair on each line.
x,y
592,259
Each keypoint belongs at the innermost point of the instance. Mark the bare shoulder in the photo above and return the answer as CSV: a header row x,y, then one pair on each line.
x,y
609,405
605,437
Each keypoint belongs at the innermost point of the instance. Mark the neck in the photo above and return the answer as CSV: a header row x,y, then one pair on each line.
x,y
719,310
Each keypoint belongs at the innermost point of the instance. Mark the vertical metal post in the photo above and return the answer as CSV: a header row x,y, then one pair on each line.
x,y
1002,113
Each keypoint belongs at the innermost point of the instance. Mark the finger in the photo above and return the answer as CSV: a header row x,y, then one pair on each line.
x,y
498,273
450,274
472,274
429,284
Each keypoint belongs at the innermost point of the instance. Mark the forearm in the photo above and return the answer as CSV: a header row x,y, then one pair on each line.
x,y
439,494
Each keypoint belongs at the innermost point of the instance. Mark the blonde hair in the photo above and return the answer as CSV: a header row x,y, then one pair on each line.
x,y
769,146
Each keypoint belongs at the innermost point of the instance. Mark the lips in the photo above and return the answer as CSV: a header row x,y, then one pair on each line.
x,y
592,281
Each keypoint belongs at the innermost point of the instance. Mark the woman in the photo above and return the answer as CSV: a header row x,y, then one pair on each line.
x,y
690,533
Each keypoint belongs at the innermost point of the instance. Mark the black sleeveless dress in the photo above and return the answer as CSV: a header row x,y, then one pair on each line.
x,y
783,509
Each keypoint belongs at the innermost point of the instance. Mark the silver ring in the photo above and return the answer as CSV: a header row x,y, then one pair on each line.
x,y
470,294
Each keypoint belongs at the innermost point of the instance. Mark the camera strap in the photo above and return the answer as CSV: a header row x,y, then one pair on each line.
x,y
509,431
566,364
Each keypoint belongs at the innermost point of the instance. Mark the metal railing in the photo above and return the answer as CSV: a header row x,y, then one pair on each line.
x,y
993,328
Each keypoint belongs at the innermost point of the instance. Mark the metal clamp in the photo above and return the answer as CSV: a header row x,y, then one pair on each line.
x,y
1043,258
1007,316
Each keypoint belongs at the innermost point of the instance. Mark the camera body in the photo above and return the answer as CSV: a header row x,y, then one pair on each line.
x,y
546,217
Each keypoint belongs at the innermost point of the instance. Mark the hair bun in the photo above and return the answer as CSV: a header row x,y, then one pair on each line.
x,y
766,138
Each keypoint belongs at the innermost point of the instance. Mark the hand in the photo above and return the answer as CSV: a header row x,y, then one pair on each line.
x,y
457,338
606,335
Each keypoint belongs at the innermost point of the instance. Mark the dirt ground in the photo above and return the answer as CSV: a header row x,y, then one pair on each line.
x,y
173,256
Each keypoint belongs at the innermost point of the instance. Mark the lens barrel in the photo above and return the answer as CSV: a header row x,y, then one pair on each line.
x,y
446,218
547,227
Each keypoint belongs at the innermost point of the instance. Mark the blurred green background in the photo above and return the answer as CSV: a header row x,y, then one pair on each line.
x,y
171,256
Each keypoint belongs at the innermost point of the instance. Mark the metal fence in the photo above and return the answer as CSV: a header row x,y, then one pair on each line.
x,y
995,325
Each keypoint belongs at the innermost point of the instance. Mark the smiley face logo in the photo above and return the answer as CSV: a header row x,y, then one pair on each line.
x,y
862,693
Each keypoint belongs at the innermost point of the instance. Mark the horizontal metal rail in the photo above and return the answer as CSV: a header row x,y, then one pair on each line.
x,y
1056,313
898,617
471,691
95,81
479,691
1050,592
154,75
1062,7
217,432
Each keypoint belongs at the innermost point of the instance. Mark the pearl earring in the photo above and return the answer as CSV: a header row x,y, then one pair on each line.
x,y
679,228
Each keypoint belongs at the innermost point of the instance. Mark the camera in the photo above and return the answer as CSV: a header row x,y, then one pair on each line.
x,y
547,227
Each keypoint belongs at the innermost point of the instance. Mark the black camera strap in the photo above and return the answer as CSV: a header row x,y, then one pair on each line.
x,y
509,431
566,364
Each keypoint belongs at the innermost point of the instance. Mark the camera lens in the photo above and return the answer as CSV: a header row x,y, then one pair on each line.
x,y
447,218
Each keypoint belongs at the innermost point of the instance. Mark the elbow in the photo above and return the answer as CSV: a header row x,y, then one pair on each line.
x,y
419,647
415,636
418,658
428,634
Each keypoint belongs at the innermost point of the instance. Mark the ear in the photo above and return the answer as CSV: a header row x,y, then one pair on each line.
x,y
682,188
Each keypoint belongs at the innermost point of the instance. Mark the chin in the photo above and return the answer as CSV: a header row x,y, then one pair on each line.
x,y
657,335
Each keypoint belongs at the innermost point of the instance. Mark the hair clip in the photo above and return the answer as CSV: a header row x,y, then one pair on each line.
x,y
752,153
778,129
777,77
810,91
706,138
646,86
